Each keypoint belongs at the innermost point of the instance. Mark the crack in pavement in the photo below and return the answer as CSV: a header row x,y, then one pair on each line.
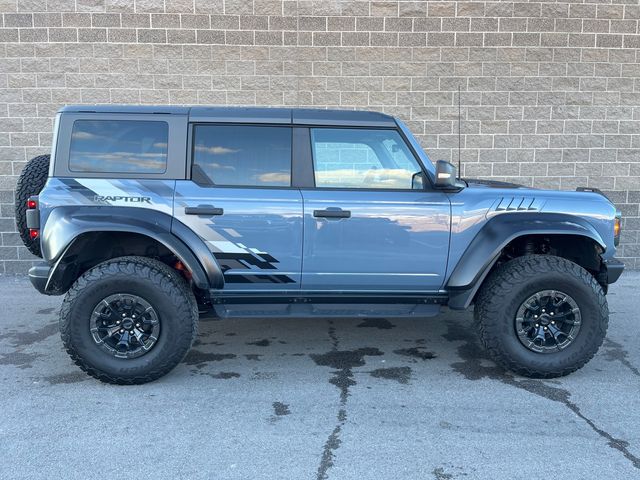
x,y
342,361
472,369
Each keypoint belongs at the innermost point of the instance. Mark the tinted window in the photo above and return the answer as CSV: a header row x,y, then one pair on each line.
x,y
360,158
118,146
243,155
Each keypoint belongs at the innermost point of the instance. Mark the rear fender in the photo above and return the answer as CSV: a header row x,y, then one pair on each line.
x,y
67,224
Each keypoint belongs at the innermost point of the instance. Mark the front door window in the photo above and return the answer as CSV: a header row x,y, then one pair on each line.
x,y
362,158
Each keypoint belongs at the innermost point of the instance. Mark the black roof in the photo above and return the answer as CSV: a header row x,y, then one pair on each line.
x,y
165,109
296,116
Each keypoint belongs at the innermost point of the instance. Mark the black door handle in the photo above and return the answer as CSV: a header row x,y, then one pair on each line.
x,y
332,213
203,210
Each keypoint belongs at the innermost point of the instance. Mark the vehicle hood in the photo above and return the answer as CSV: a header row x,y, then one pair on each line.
x,y
479,183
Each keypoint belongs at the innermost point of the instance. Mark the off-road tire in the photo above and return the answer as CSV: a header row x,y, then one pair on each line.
x,y
511,284
159,285
31,182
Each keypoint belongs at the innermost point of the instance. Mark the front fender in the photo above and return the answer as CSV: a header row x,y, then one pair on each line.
x,y
484,250
65,224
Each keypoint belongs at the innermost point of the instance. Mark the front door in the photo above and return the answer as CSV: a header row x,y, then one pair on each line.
x,y
369,226
240,202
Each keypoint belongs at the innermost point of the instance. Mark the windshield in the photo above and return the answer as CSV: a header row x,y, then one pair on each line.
x,y
426,161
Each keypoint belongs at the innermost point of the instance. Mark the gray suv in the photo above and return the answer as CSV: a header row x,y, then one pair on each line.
x,y
145,216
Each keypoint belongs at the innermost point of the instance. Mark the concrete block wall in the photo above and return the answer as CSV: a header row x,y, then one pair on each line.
x,y
550,89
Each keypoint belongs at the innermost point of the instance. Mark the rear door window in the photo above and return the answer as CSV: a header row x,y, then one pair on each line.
x,y
118,146
243,155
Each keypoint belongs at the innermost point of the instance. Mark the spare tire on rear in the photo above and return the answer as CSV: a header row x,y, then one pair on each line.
x,y
31,182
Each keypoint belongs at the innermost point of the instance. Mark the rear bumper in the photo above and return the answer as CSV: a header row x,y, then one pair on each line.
x,y
39,276
614,270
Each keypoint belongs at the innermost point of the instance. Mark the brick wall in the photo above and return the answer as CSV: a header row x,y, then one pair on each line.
x,y
551,90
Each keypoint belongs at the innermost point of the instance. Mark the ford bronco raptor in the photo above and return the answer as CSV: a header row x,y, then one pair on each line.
x,y
145,216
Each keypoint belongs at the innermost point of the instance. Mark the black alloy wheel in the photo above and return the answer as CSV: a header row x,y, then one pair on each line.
x,y
548,321
125,325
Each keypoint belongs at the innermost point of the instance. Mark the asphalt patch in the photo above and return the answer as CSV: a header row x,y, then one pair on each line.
x,y
224,375
20,338
416,352
67,378
18,359
280,409
440,474
343,361
197,357
264,375
399,374
380,323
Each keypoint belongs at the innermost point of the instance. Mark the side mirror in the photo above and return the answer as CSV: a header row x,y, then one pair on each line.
x,y
445,175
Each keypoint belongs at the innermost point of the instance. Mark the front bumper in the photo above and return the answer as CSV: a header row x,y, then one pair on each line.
x,y
614,270
39,276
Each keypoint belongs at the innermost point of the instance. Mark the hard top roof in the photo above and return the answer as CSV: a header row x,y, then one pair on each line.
x,y
296,116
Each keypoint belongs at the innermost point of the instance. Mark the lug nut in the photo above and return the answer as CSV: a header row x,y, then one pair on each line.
x,y
545,328
552,322
117,322
133,316
124,314
537,325
137,325
122,330
543,310
535,316
131,332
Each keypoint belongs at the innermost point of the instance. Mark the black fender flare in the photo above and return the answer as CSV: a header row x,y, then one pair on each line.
x,y
67,223
484,250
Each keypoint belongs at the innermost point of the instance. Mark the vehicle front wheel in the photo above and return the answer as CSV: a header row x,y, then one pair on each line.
x,y
541,316
129,320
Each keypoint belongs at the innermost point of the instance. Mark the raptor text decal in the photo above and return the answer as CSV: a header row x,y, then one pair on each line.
x,y
118,198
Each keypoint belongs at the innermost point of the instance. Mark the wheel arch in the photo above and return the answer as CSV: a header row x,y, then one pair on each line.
x,y
79,237
503,231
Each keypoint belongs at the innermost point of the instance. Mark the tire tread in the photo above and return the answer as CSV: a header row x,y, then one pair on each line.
x,y
502,282
163,278
31,181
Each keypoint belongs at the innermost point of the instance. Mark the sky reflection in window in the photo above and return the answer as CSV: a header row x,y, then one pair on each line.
x,y
118,146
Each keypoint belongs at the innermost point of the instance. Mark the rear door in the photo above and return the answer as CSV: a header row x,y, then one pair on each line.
x,y
370,224
239,200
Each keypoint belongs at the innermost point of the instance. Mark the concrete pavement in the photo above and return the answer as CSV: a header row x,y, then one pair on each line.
x,y
318,399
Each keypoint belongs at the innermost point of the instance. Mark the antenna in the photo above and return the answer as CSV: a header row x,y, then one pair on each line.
x,y
459,134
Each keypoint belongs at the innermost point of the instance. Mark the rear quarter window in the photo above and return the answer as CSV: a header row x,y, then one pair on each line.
x,y
118,146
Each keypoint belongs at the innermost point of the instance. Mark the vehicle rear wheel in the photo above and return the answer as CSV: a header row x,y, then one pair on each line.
x,y
129,320
541,316
31,181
